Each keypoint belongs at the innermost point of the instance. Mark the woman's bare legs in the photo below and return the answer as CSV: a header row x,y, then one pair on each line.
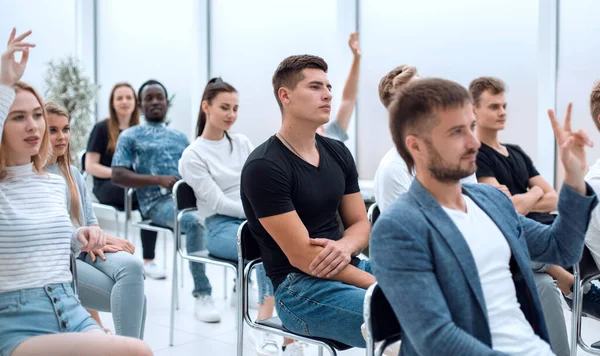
x,y
90,343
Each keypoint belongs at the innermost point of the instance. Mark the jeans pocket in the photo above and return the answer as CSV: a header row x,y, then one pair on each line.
x,y
9,306
291,321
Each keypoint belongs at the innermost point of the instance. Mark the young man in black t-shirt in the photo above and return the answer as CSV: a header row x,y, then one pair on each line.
x,y
511,170
293,187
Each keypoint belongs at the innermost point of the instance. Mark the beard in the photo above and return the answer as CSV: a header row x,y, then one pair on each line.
x,y
445,172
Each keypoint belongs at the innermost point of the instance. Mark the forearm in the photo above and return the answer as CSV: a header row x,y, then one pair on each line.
x,y
349,275
99,171
357,236
230,207
547,204
129,179
351,87
525,202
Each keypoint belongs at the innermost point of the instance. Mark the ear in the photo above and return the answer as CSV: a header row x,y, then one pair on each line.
x,y
413,145
204,107
598,118
284,95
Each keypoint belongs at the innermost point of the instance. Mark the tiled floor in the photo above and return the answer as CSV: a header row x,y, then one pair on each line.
x,y
196,338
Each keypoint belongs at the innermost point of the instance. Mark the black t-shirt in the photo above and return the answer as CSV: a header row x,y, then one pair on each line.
x,y
98,143
513,171
275,181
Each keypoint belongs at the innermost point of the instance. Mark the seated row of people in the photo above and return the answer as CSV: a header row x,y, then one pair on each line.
x,y
461,252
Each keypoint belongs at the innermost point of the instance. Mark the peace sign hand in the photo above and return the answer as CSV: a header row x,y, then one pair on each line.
x,y
571,147
11,70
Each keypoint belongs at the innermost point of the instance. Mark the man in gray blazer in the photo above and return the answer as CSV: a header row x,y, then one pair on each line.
x,y
454,262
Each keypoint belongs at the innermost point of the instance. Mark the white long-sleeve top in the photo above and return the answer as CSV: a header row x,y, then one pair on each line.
x,y
213,169
36,233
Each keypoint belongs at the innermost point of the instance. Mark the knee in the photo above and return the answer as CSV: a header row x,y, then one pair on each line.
x,y
545,285
132,267
137,347
191,221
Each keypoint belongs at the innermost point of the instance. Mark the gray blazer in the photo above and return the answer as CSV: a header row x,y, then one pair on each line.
x,y
427,272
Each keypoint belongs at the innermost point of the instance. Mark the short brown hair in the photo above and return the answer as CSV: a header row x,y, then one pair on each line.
x,y
414,109
494,85
289,72
595,103
393,81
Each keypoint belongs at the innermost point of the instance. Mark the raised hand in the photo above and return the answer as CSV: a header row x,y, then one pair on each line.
x,y
353,43
571,147
11,71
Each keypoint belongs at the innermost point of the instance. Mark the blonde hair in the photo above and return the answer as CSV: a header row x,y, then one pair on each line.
x,y
64,164
595,103
39,160
393,81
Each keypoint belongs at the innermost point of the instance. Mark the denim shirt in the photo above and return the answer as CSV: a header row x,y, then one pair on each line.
x,y
151,149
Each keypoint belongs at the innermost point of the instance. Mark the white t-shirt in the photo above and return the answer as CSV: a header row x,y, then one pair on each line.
x,y
511,332
213,169
592,237
393,179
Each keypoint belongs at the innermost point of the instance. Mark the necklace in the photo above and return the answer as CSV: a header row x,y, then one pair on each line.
x,y
293,149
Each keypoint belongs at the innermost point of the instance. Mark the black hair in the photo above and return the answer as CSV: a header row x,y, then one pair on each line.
x,y
213,87
152,82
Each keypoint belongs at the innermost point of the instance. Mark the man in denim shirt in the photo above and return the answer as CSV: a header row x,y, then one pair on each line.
x,y
146,158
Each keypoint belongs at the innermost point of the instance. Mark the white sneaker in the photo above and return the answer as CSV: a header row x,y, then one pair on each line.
x,y
265,344
151,270
296,348
205,310
252,298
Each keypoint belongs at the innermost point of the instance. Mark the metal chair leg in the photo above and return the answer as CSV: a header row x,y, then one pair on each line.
x,y
224,282
174,296
575,315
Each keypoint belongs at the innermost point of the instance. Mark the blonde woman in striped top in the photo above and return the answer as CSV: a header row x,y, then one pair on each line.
x,y
40,314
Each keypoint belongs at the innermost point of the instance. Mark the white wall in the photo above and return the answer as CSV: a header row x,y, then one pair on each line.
x,y
250,38
578,67
53,25
457,40
152,39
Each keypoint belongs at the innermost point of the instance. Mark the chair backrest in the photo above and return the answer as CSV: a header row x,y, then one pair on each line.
x,y
373,213
82,161
248,245
184,196
384,326
587,265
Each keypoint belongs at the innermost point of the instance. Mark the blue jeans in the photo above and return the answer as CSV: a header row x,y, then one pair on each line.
x,y
52,309
115,285
162,213
312,306
221,241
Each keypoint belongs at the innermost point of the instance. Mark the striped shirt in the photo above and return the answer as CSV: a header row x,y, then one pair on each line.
x,y
36,233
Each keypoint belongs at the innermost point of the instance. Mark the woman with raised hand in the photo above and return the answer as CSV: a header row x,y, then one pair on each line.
x,y
115,281
40,312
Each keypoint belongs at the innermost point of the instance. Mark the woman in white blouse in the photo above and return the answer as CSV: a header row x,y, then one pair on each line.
x,y
212,166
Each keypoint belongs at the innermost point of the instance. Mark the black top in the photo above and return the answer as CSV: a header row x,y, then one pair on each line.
x,y
276,181
98,143
513,171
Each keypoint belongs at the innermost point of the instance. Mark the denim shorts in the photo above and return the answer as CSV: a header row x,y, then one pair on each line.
x,y
40,311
